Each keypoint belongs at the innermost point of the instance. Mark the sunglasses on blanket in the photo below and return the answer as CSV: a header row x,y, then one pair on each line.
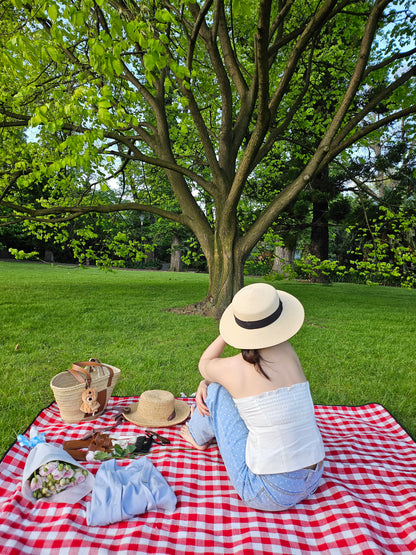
x,y
144,443
157,438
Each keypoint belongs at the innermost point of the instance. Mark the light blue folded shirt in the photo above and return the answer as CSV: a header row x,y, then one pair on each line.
x,y
121,492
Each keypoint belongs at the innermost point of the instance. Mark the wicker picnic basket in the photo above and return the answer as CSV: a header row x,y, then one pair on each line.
x,y
71,389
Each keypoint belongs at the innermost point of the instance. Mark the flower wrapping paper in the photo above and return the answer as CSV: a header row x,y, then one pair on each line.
x,y
44,453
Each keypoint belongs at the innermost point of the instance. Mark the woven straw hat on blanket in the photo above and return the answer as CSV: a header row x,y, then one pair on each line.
x,y
157,408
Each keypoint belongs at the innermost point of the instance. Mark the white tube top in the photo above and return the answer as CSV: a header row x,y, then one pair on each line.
x,y
283,434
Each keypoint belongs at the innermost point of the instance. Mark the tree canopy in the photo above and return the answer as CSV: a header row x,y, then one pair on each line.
x,y
206,93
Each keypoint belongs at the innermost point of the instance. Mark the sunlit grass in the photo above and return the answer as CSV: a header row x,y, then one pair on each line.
x,y
357,344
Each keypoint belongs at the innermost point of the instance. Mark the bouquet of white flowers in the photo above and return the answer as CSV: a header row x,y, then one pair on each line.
x,y
52,475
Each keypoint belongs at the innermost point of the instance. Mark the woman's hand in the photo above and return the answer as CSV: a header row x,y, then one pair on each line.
x,y
200,397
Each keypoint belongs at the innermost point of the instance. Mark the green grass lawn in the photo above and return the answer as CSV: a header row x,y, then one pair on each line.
x,y
357,345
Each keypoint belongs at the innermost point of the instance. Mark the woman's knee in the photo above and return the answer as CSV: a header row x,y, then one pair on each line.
x,y
218,396
214,388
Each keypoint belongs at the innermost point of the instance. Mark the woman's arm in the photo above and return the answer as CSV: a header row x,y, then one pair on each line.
x,y
225,371
211,353
210,357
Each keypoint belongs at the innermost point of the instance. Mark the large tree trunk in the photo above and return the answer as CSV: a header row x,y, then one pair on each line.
x,y
226,272
226,277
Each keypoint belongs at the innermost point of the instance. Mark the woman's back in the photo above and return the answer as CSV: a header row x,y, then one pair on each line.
x,y
280,363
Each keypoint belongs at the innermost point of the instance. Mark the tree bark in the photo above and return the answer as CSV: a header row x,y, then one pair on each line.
x,y
226,277
225,257
175,255
284,257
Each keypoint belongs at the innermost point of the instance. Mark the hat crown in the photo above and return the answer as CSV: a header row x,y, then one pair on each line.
x,y
156,404
157,408
255,302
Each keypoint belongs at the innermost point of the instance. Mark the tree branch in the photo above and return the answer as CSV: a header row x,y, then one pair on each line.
x,y
72,212
160,163
317,160
230,57
277,24
364,131
358,72
200,19
360,184
296,53
370,106
221,166
263,65
397,56
279,129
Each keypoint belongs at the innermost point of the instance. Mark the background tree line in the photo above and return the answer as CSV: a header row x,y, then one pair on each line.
x,y
360,228
241,123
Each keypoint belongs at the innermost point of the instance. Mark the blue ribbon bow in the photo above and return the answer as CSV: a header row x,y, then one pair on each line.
x,y
25,442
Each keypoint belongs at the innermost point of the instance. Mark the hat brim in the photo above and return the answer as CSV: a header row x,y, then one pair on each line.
x,y
286,326
182,410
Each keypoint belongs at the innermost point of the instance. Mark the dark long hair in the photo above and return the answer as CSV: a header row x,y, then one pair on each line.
x,y
253,357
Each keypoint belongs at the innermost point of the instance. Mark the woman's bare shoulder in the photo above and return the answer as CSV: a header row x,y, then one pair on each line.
x,y
215,368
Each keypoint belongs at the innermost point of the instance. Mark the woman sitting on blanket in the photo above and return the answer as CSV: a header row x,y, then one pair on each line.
x,y
257,404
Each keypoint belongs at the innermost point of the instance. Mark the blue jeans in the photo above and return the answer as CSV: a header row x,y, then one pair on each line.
x,y
266,492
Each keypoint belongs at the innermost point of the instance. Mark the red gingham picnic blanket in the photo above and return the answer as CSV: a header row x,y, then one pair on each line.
x,y
366,503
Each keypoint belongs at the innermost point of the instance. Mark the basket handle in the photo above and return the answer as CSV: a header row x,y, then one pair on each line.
x,y
78,367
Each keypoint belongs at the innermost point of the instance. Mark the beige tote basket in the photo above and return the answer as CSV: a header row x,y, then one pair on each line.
x,y
68,388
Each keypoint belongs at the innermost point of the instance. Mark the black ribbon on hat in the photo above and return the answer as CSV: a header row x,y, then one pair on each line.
x,y
172,416
257,324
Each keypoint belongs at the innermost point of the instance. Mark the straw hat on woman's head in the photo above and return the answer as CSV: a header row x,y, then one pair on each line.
x,y
260,316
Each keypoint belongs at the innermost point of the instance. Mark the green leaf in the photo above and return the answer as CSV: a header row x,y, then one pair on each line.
x,y
164,16
102,456
134,32
118,67
53,52
149,61
104,116
104,103
53,12
130,449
